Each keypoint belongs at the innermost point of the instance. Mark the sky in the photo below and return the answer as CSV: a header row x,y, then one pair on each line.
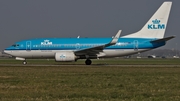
x,y
27,19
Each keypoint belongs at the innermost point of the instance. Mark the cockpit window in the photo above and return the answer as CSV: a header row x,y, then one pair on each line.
x,y
15,45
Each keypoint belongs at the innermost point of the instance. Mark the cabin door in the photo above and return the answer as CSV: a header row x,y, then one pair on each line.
x,y
28,46
135,45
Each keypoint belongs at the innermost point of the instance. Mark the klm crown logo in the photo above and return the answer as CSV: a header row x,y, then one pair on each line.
x,y
46,42
156,24
156,21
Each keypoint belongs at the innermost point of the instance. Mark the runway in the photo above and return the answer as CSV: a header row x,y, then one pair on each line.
x,y
81,65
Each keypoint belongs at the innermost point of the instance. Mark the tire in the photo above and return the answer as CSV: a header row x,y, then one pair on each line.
x,y
24,62
88,62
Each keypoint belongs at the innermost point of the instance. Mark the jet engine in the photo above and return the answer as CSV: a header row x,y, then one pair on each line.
x,y
65,56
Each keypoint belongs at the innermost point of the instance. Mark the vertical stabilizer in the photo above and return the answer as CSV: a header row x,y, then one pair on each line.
x,y
156,26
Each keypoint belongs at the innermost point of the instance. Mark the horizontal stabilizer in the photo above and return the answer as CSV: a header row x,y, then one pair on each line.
x,y
163,39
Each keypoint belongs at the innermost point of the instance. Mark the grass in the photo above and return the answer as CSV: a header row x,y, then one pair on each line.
x,y
90,83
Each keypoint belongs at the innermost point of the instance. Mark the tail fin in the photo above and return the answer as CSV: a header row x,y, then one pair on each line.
x,y
156,26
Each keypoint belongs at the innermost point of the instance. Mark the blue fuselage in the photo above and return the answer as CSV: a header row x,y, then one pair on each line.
x,y
83,43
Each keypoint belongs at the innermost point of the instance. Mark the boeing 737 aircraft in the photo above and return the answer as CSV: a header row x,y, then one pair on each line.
x,y
71,49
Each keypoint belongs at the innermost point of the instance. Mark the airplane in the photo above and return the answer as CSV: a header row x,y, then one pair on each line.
x,y
151,36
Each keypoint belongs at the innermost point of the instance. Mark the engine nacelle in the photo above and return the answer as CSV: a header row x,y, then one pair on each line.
x,y
65,56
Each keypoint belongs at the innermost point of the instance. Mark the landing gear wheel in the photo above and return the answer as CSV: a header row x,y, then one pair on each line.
x,y
24,62
88,62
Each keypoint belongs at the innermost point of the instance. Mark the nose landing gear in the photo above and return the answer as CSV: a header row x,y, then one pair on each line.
x,y
24,62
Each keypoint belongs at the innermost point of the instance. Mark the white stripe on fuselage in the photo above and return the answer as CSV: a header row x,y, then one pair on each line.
x,y
51,53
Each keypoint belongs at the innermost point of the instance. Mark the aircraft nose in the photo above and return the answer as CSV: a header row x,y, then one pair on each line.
x,y
6,52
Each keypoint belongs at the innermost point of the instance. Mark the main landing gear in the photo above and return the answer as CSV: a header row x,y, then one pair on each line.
x,y
24,62
88,62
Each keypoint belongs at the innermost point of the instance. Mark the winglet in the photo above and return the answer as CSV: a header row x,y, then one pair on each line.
x,y
115,39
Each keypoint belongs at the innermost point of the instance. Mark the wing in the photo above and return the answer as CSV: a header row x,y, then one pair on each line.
x,y
97,49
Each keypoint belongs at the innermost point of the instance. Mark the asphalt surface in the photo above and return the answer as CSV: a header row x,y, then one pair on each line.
x,y
95,65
